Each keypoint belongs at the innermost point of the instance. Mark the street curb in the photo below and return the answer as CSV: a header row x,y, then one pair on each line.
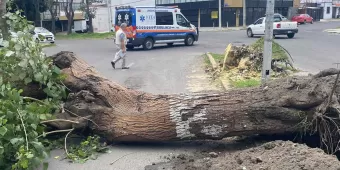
x,y
329,20
212,61
336,31
221,30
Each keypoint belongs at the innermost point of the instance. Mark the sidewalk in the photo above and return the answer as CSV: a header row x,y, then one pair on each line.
x,y
330,20
335,31
216,29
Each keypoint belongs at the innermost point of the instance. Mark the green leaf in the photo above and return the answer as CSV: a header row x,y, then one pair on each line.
x,y
9,53
3,130
31,62
45,165
34,126
38,76
42,117
23,63
38,145
27,80
56,70
24,164
16,140
1,150
29,155
22,75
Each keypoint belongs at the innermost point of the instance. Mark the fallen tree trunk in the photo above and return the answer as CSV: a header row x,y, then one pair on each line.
x,y
122,114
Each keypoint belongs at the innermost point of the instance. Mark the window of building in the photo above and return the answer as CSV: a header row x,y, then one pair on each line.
x,y
328,10
164,18
178,1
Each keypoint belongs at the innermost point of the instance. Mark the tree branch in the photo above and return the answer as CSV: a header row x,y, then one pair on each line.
x,y
65,145
59,120
23,125
55,131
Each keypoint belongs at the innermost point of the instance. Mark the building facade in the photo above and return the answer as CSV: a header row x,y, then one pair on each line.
x,y
336,9
204,13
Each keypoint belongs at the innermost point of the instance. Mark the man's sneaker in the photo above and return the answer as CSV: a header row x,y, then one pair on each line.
x,y
113,65
125,67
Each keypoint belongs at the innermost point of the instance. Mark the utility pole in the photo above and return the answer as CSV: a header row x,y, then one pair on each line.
x,y
268,42
220,13
108,3
244,14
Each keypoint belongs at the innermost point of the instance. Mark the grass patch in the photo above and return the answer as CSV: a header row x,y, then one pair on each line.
x,y
86,35
278,52
47,45
245,83
217,57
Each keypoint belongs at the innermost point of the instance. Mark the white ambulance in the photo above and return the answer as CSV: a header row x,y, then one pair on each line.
x,y
148,26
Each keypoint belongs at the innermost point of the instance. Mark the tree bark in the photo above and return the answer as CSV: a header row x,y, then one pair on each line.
x,y
122,114
53,11
90,15
3,24
70,15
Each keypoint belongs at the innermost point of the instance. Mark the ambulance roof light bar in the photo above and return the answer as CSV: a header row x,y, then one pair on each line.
x,y
123,7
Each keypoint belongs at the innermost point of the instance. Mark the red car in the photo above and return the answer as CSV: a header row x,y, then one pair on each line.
x,y
303,18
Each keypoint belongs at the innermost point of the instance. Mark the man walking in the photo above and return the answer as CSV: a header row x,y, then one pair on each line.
x,y
121,42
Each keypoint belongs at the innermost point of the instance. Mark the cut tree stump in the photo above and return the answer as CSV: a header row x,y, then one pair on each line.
x,y
122,114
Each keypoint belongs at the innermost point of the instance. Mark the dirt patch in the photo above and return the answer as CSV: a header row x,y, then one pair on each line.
x,y
282,155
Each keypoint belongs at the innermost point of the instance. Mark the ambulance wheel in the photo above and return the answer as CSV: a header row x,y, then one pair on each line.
x,y
148,44
189,41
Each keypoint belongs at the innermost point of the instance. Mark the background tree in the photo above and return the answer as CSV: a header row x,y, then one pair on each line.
x,y
3,25
70,15
90,12
52,8
31,9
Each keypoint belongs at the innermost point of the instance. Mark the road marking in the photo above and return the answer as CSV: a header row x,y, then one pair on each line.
x,y
131,64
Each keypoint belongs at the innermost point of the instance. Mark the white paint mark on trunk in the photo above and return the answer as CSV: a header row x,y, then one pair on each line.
x,y
213,130
183,126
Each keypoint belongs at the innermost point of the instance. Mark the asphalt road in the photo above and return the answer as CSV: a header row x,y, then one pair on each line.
x,y
180,69
175,69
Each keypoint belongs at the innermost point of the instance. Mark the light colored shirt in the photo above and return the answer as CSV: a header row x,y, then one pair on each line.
x,y
120,36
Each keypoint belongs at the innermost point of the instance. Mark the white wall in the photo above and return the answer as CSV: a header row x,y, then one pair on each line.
x,y
325,5
115,3
101,22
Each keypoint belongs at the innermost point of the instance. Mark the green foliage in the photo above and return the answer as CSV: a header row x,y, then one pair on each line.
x,y
29,8
218,57
22,62
20,147
245,83
92,10
88,149
278,52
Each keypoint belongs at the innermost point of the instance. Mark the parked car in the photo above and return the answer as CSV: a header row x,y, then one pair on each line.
x,y
303,18
281,26
41,34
